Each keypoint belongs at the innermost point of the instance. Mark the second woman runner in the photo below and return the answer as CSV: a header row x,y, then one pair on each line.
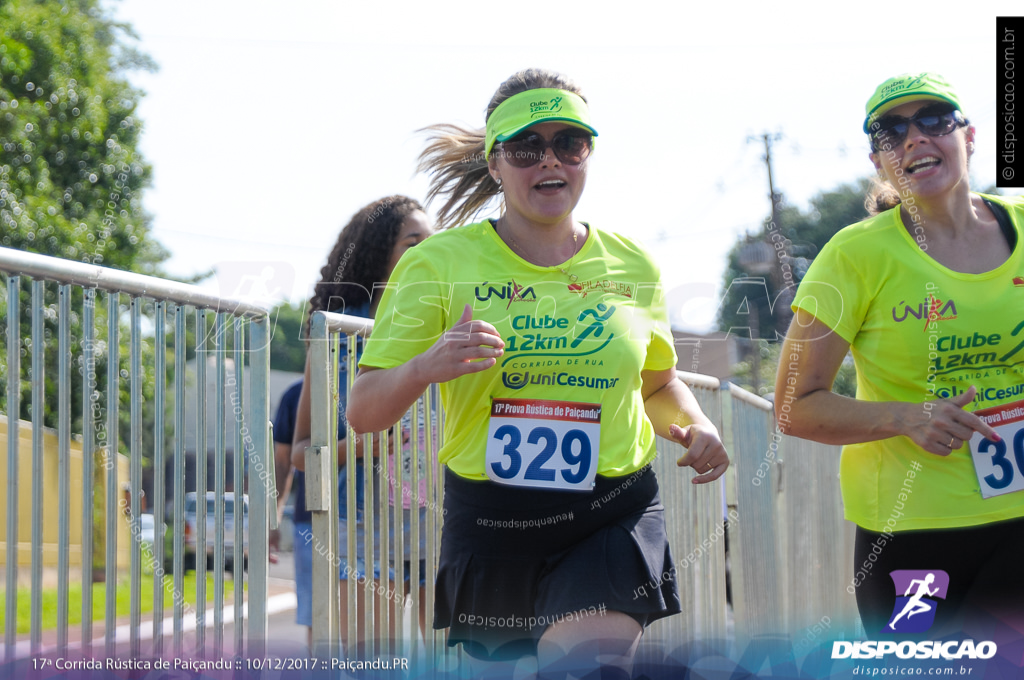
x,y
927,294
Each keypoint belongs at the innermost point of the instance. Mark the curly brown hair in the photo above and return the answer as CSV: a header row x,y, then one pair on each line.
x,y
360,256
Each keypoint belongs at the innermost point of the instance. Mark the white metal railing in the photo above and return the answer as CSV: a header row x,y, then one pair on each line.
x,y
397,613
241,416
790,550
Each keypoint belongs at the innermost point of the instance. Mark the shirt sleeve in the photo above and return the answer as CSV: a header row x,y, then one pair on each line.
x,y
284,421
833,291
412,314
661,350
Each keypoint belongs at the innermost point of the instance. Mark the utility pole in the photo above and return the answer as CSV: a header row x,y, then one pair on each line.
x,y
781,285
766,265
772,196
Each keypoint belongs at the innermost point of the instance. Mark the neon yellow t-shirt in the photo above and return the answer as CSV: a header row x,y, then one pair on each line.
x,y
919,331
583,342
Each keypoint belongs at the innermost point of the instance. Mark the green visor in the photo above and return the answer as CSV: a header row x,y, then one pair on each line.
x,y
896,90
543,105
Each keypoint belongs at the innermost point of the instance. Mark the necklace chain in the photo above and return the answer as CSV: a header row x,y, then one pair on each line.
x,y
565,270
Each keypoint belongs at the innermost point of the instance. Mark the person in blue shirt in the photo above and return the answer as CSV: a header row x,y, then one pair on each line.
x,y
365,254
302,550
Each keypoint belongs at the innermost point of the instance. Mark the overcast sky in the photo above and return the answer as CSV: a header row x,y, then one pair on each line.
x,y
269,124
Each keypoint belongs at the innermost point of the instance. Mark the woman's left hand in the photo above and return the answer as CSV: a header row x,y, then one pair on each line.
x,y
705,451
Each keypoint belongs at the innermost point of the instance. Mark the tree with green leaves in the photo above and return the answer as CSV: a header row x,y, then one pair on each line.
x,y
795,242
287,349
71,177
789,247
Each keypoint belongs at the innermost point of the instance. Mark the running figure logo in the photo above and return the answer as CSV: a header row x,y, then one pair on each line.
x,y
915,608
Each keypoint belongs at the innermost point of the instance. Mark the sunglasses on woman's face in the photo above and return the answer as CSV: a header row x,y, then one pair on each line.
x,y
527,149
934,121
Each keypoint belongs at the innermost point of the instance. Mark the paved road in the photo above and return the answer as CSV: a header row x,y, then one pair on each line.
x,y
281,626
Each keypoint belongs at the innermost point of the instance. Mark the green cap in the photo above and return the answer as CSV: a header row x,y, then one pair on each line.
x,y
542,105
893,92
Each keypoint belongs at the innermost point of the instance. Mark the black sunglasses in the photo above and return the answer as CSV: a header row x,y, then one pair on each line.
x,y
527,149
935,121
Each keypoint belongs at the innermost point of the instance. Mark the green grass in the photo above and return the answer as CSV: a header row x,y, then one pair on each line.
x,y
99,602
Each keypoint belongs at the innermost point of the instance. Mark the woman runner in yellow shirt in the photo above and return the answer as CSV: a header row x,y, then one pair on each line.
x,y
929,294
551,343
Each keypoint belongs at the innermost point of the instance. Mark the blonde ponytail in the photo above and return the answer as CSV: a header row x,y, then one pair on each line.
x,y
454,158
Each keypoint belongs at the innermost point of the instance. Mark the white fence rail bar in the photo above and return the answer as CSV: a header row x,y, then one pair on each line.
x,y
115,459
790,550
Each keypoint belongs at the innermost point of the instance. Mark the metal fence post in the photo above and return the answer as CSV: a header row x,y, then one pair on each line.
x,y
63,465
261,484
13,451
38,385
322,494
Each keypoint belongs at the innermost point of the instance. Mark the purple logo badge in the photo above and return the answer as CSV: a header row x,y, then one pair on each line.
x,y
917,592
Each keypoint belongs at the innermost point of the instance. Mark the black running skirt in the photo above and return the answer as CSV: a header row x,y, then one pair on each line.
x,y
514,561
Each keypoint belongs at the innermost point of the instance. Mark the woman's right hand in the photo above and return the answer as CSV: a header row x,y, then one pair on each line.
x,y
381,396
942,426
468,347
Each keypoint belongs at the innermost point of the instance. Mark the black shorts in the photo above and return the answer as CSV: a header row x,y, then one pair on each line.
x,y
513,560
983,563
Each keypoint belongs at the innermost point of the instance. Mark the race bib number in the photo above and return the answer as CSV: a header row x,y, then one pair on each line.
x,y
1000,465
543,444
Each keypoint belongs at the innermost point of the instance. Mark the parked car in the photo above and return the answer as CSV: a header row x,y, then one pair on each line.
x,y
147,530
212,532
147,536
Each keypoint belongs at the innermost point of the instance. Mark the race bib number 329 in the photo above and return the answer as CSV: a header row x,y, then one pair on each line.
x,y
1000,465
543,444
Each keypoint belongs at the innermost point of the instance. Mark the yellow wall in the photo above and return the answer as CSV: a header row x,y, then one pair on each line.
x,y
50,500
